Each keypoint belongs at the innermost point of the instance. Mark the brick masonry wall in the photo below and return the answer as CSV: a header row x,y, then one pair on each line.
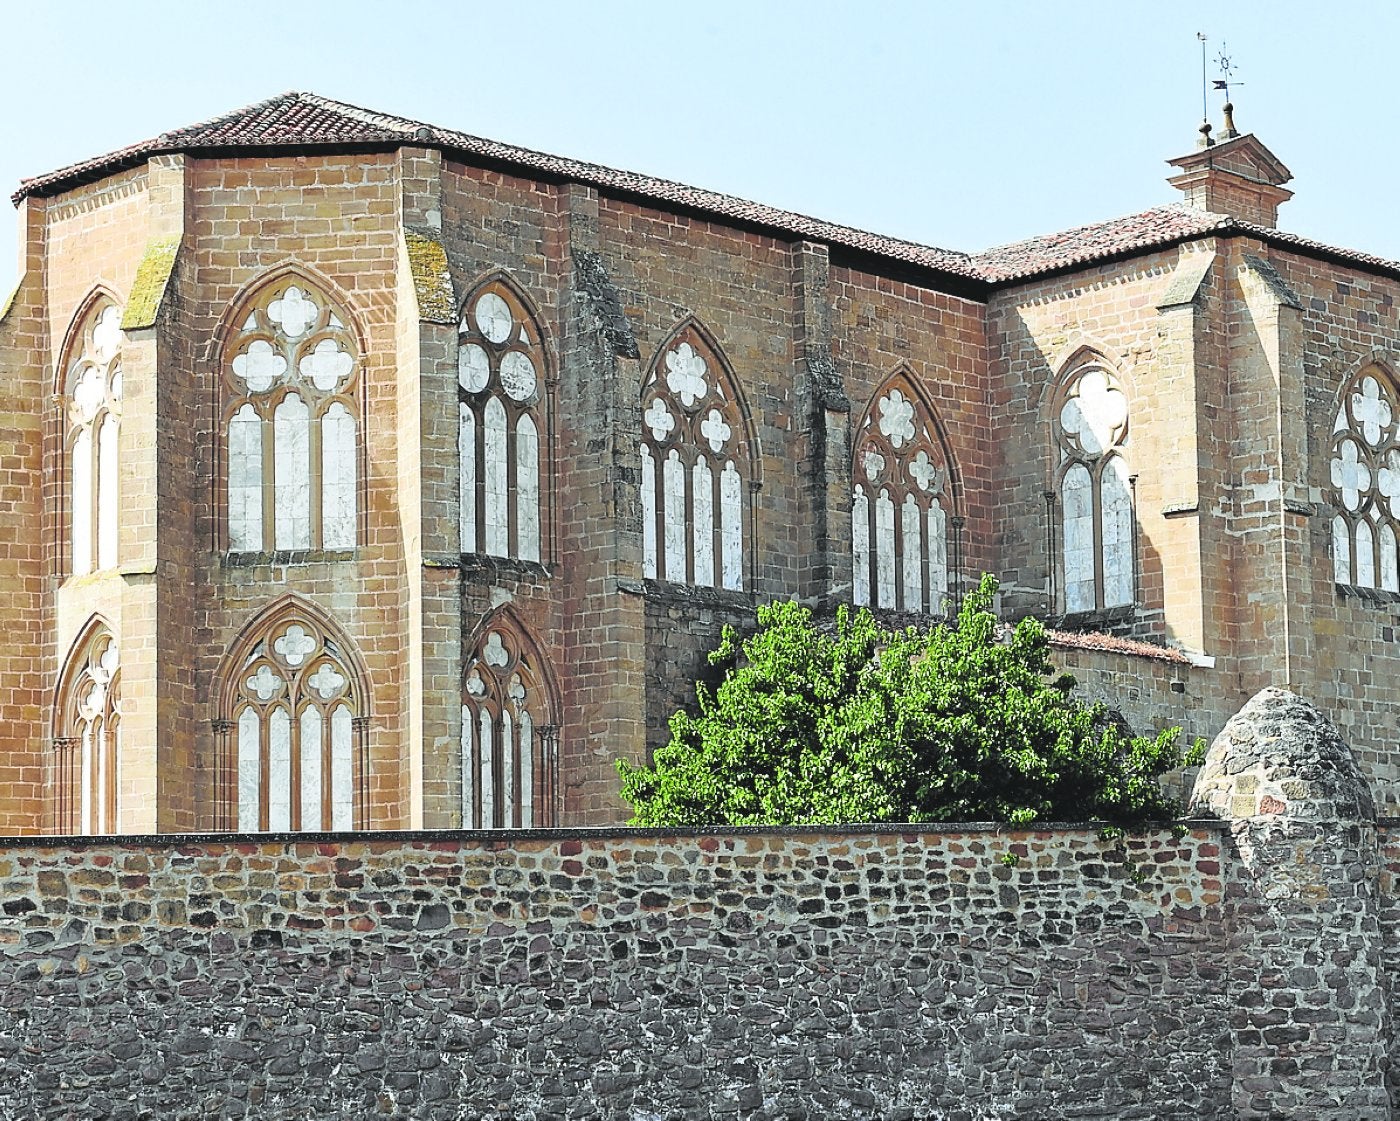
x,y
836,974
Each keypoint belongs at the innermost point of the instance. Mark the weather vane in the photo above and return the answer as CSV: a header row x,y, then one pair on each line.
x,y
1225,66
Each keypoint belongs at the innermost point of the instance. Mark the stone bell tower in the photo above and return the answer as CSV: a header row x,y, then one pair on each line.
x,y
1235,175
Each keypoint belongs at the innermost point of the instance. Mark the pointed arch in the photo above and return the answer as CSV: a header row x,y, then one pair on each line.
x,y
906,500
88,386
1363,479
510,723
1088,415
505,388
290,455
700,464
86,724
293,706
240,303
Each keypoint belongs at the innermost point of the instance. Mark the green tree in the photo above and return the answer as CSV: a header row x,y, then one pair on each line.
x,y
866,724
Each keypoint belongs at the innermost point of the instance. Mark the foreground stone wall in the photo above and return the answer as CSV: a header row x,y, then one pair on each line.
x,y
1238,971
892,975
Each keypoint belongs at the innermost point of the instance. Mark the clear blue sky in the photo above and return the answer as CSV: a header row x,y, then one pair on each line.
x,y
961,125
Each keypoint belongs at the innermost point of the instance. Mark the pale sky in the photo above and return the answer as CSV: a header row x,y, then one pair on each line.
x,y
961,125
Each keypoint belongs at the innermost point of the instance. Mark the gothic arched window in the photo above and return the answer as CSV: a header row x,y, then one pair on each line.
x,y
93,390
901,503
509,753
88,743
1095,492
695,467
293,699
1364,470
501,401
291,380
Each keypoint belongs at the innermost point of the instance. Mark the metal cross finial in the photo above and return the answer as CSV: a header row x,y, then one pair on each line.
x,y
1226,67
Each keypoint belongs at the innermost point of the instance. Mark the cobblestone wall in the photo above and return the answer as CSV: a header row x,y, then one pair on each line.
x,y
963,974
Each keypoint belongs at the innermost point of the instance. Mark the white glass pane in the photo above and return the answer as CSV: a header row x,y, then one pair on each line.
x,y
469,767
292,475
1341,551
497,499
1390,575
116,775
507,771
648,514
731,527
82,503
1117,501
884,550
342,769
108,499
703,539
100,734
937,559
466,477
1077,498
911,560
1365,555
85,780
674,517
527,490
310,752
245,481
249,771
527,771
338,478
488,771
860,548
279,771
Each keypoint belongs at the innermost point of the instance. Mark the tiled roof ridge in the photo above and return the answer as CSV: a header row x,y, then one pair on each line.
x,y
295,121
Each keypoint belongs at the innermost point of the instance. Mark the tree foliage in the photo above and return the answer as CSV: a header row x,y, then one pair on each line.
x,y
867,724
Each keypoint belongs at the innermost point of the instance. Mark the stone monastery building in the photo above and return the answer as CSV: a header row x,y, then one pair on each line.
x,y
358,473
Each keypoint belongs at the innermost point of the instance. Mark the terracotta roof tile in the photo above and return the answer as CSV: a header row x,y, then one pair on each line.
x,y
304,120
1110,644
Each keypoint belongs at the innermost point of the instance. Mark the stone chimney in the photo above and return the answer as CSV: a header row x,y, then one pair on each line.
x,y
1235,175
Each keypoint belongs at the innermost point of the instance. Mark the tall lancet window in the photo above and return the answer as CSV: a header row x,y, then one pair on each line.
x,y
501,425
1364,470
1095,491
901,503
292,749
93,390
509,749
290,423
696,467
88,745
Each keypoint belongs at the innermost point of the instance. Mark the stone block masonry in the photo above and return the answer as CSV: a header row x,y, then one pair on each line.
x,y
897,972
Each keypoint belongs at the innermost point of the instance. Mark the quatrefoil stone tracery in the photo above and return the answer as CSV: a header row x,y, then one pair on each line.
x,y
1371,410
293,312
1388,480
264,684
260,366
107,333
494,653
873,462
924,473
715,430
685,374
1095,414
295,645
1350,475
659,419
326,681
897,418
326,366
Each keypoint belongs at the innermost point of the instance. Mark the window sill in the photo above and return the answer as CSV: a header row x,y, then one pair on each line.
x,y
663,591
477,566
286,558
1367,595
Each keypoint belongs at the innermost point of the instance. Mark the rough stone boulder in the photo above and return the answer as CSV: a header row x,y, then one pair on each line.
x,y
1280,756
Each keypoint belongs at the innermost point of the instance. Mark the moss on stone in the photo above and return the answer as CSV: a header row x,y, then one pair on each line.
x,y
427,260
152,279
9,303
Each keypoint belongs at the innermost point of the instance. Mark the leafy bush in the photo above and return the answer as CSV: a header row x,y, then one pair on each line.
x,y
865,724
